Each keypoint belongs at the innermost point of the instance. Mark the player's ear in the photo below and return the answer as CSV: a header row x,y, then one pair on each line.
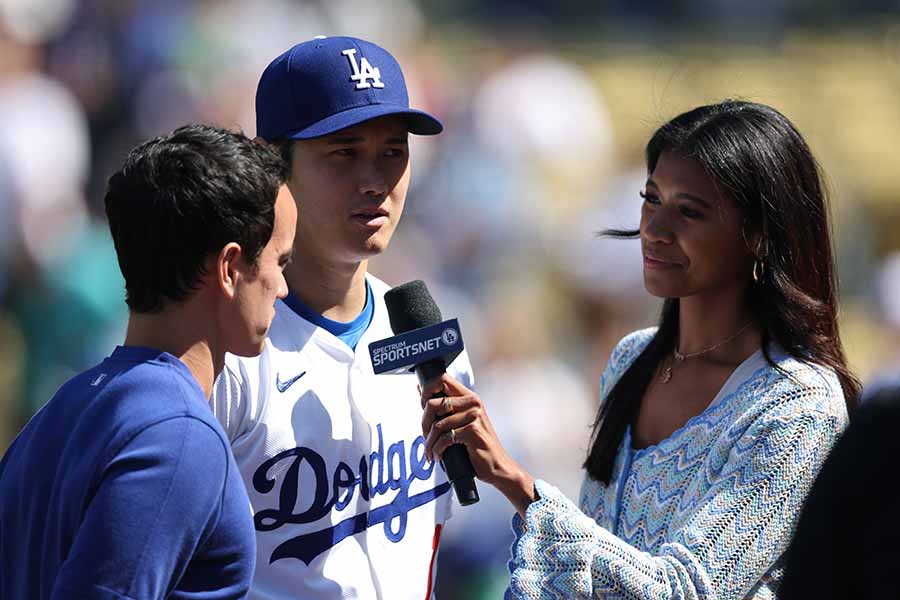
x,y
260,141
227,269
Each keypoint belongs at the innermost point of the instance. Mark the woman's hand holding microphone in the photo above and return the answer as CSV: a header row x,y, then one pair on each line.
x,y
457,416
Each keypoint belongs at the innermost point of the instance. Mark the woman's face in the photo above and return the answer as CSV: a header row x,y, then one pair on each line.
x,y
691,233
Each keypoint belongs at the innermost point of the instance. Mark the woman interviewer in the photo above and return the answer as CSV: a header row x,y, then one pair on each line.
x,y
712,425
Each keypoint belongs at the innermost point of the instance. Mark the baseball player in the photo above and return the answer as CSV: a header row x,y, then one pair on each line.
x,y
123,485
344,502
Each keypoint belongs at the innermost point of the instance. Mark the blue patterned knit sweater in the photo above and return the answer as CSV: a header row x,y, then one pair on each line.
x,y
706,513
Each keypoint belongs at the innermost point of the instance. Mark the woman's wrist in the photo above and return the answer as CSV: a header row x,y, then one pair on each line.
x,y
518,487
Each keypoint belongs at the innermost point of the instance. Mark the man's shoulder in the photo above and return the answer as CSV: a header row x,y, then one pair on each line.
x,y
151,381
128,389
142,395
103,409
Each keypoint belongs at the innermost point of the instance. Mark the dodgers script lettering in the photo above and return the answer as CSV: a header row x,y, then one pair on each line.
x,y
377,474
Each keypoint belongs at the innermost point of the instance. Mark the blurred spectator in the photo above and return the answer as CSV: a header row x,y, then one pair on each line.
x,y
44,144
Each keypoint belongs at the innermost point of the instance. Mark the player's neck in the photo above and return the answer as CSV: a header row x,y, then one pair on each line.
x,y
335,290
176,331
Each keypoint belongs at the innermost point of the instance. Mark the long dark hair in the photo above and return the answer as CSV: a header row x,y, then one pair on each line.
x,y
757,157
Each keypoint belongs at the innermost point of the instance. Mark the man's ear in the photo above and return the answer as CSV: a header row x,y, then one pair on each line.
x,y
260,141
228,263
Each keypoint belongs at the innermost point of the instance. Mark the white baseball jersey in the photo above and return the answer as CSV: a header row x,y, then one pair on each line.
x,y
344,502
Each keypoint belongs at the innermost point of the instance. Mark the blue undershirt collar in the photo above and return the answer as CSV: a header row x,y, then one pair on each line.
x,y
349,333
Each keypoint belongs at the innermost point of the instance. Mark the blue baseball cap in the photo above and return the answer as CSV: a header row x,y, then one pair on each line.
x,y
330,83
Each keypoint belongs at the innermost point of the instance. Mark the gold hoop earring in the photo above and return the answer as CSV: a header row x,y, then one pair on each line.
x,y
759,269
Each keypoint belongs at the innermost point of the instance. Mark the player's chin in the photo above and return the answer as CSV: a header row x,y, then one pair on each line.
x,y
376,243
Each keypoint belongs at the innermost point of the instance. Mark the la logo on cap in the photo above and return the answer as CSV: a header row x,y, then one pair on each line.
x,y
363,71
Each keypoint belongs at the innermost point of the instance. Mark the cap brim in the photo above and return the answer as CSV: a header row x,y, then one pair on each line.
x,y
418,122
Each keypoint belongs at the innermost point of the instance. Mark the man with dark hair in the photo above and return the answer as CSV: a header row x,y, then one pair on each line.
x,y
123,485
345,503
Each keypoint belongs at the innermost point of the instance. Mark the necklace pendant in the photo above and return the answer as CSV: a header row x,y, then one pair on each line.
x,y
667,374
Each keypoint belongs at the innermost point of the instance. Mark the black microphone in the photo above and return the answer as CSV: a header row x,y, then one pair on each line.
x,y
411,307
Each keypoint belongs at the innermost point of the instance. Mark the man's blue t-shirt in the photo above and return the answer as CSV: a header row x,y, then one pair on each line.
x,y
124,486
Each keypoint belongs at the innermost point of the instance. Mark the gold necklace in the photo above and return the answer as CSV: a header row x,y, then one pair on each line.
x,y
667,374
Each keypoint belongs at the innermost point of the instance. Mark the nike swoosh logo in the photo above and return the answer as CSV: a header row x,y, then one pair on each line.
x,y
284,385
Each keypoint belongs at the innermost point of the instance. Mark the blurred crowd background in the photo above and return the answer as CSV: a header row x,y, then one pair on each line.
x,y
547,106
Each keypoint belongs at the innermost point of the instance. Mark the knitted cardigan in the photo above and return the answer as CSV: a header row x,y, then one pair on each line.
x,y
706,513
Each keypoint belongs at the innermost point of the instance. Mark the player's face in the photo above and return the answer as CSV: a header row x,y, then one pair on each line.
x,y
350,188
691,233
261,286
